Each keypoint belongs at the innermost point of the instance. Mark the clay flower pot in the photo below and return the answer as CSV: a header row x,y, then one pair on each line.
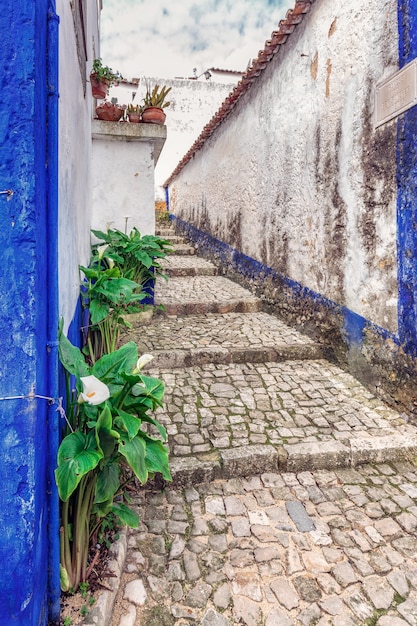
x,y
109,112
153,115
98,87
134,118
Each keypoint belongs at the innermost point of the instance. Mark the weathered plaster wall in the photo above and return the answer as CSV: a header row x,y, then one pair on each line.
x,y
193,102
296,177
302,199
23,446
124,157
75,154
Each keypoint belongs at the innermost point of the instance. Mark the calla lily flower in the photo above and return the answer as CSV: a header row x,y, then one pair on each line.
x,y
94,391
142,361
102,249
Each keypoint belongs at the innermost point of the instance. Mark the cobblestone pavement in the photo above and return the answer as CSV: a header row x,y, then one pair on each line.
x,y
294,499
228,330
326,548
187,266
201,294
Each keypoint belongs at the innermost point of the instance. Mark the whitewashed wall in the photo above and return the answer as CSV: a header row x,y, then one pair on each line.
x,y
124,157
193,103
296,177
75,115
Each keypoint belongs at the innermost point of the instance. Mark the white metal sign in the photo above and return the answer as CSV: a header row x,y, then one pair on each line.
x,y
396,94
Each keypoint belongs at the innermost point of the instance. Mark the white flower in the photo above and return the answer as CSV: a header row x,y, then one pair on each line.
x,y
142,361
102,249
94,391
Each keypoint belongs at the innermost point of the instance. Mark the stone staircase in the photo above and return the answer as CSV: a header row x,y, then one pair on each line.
x,y
247,394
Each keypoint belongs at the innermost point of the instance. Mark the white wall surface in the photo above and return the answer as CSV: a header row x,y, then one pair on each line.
x,y
193,103
297,177
75,114
123,175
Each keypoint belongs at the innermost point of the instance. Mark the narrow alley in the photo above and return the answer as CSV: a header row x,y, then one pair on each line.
x,y
294,494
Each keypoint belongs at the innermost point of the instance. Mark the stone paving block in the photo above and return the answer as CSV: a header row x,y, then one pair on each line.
x,y
255,459
189,470
316,455
382,449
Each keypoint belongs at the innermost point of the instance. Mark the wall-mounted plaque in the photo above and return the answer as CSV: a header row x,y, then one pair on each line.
x,y
396,94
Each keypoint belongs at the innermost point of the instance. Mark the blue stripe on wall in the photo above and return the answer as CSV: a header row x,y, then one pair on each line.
x,y
23,315
407,190
353,324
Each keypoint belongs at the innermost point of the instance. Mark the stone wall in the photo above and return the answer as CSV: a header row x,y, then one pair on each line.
x,y
297,189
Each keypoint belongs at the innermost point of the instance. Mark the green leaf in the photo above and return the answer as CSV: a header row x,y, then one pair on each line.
x,y
118,289
107,483
111,365
102,235
128,423
126,515
101,509
157,458
71,357
161,429
134,452
105,437
98,311
77,456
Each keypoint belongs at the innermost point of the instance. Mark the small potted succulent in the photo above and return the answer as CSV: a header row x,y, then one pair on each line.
x,y
110,111
134,112
154,103
101,78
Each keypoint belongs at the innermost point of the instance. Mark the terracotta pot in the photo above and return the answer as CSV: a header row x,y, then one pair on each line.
x,y
134,118
109,112
98,87
153,115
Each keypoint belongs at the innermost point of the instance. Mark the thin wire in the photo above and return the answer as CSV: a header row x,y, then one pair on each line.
x,y
32,396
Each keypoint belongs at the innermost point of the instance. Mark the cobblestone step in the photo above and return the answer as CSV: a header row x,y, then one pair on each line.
x,y
164,231
294,494
214,338
174,239
234,420
191,265
182,249
232,552
204,294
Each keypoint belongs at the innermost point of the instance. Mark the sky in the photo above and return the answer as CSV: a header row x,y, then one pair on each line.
x,y
166,39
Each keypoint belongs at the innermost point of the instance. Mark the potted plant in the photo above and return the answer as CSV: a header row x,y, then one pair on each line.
x,y
154,103
110,111
101,78
134,112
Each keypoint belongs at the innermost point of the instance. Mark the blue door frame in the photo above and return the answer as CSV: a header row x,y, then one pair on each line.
x,y
29,530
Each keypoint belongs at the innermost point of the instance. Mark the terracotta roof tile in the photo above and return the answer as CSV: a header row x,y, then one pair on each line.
x,y
278,37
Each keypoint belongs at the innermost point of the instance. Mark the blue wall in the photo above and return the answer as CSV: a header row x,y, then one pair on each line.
x,y
23,314
407,189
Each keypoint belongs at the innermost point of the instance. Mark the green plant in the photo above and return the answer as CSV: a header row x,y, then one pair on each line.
x,y
155,97
105,292
104,447
134,108
84,586
104,73
136,256
84,610
67,621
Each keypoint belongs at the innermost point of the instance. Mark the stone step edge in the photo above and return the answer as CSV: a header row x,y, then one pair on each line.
x,y
102,611
178,272
262,458
182,250
201,308
224,356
